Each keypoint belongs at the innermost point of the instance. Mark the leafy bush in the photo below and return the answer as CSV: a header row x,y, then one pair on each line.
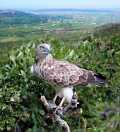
x,y
20,105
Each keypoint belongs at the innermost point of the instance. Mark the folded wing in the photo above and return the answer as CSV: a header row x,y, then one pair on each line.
x,y
67,74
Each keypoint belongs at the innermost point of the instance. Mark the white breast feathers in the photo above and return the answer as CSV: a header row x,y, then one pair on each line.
x,y
66,92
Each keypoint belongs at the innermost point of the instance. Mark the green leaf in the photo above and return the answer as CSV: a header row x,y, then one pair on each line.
x,y
1,76
12,57
20,54
1,127
42,112
23,73
21,47
12,99
33,115
8,127
1,95
34,129
71,53
8,66
4,107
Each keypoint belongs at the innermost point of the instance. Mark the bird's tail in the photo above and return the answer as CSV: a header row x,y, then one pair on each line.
x,y
101,79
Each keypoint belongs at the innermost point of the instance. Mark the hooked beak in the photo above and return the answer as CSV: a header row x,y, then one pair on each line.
x,y
46,51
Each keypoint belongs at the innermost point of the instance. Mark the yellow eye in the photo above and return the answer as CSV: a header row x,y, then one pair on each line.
x,y
41,47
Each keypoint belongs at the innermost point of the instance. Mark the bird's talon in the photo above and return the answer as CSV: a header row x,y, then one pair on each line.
x,y
57,108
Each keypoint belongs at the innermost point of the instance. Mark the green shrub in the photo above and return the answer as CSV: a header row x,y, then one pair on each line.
x,y
20,92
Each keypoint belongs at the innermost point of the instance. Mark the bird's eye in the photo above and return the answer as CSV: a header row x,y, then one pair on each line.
x,y
41,47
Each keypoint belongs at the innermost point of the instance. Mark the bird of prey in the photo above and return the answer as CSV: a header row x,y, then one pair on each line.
x,y
61,75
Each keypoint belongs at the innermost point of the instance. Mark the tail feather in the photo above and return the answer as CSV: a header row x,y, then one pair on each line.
x,y
100,78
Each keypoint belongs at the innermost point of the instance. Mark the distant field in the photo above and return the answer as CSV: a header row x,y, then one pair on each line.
x,y
43,29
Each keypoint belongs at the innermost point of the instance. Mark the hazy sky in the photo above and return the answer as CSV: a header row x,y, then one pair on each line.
x,y
37,4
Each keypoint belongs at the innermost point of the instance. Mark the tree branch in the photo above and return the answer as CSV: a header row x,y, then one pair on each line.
x,y
60,113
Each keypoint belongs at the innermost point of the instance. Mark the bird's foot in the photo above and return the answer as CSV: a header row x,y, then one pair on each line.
x,y
54,99
60,105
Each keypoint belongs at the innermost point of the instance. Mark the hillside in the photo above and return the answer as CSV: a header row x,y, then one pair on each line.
x,y
11,17
109,34
109,29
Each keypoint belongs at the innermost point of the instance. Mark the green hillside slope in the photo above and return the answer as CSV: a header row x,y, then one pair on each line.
x,y
11,17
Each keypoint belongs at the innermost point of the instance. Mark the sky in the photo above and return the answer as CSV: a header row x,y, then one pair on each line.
x,y
38,4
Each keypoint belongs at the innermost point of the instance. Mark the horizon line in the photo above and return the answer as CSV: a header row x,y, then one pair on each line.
x,y
58,8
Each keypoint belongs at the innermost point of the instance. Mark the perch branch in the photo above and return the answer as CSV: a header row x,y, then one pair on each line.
x,y
67,111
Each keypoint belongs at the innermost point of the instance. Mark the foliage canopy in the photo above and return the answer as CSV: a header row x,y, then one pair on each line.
x,y
20,105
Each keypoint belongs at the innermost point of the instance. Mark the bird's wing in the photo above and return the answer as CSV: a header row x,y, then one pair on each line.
x,y
67,74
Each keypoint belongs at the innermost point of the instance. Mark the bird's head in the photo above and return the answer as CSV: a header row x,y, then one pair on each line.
x,y
42,50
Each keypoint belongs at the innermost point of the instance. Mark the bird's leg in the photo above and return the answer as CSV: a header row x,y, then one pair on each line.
x,y
61,103
54,99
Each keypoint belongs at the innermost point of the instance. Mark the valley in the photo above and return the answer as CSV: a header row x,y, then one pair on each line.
x,y
63,24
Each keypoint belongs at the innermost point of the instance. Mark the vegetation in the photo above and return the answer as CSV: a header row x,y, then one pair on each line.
x,y
20,92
